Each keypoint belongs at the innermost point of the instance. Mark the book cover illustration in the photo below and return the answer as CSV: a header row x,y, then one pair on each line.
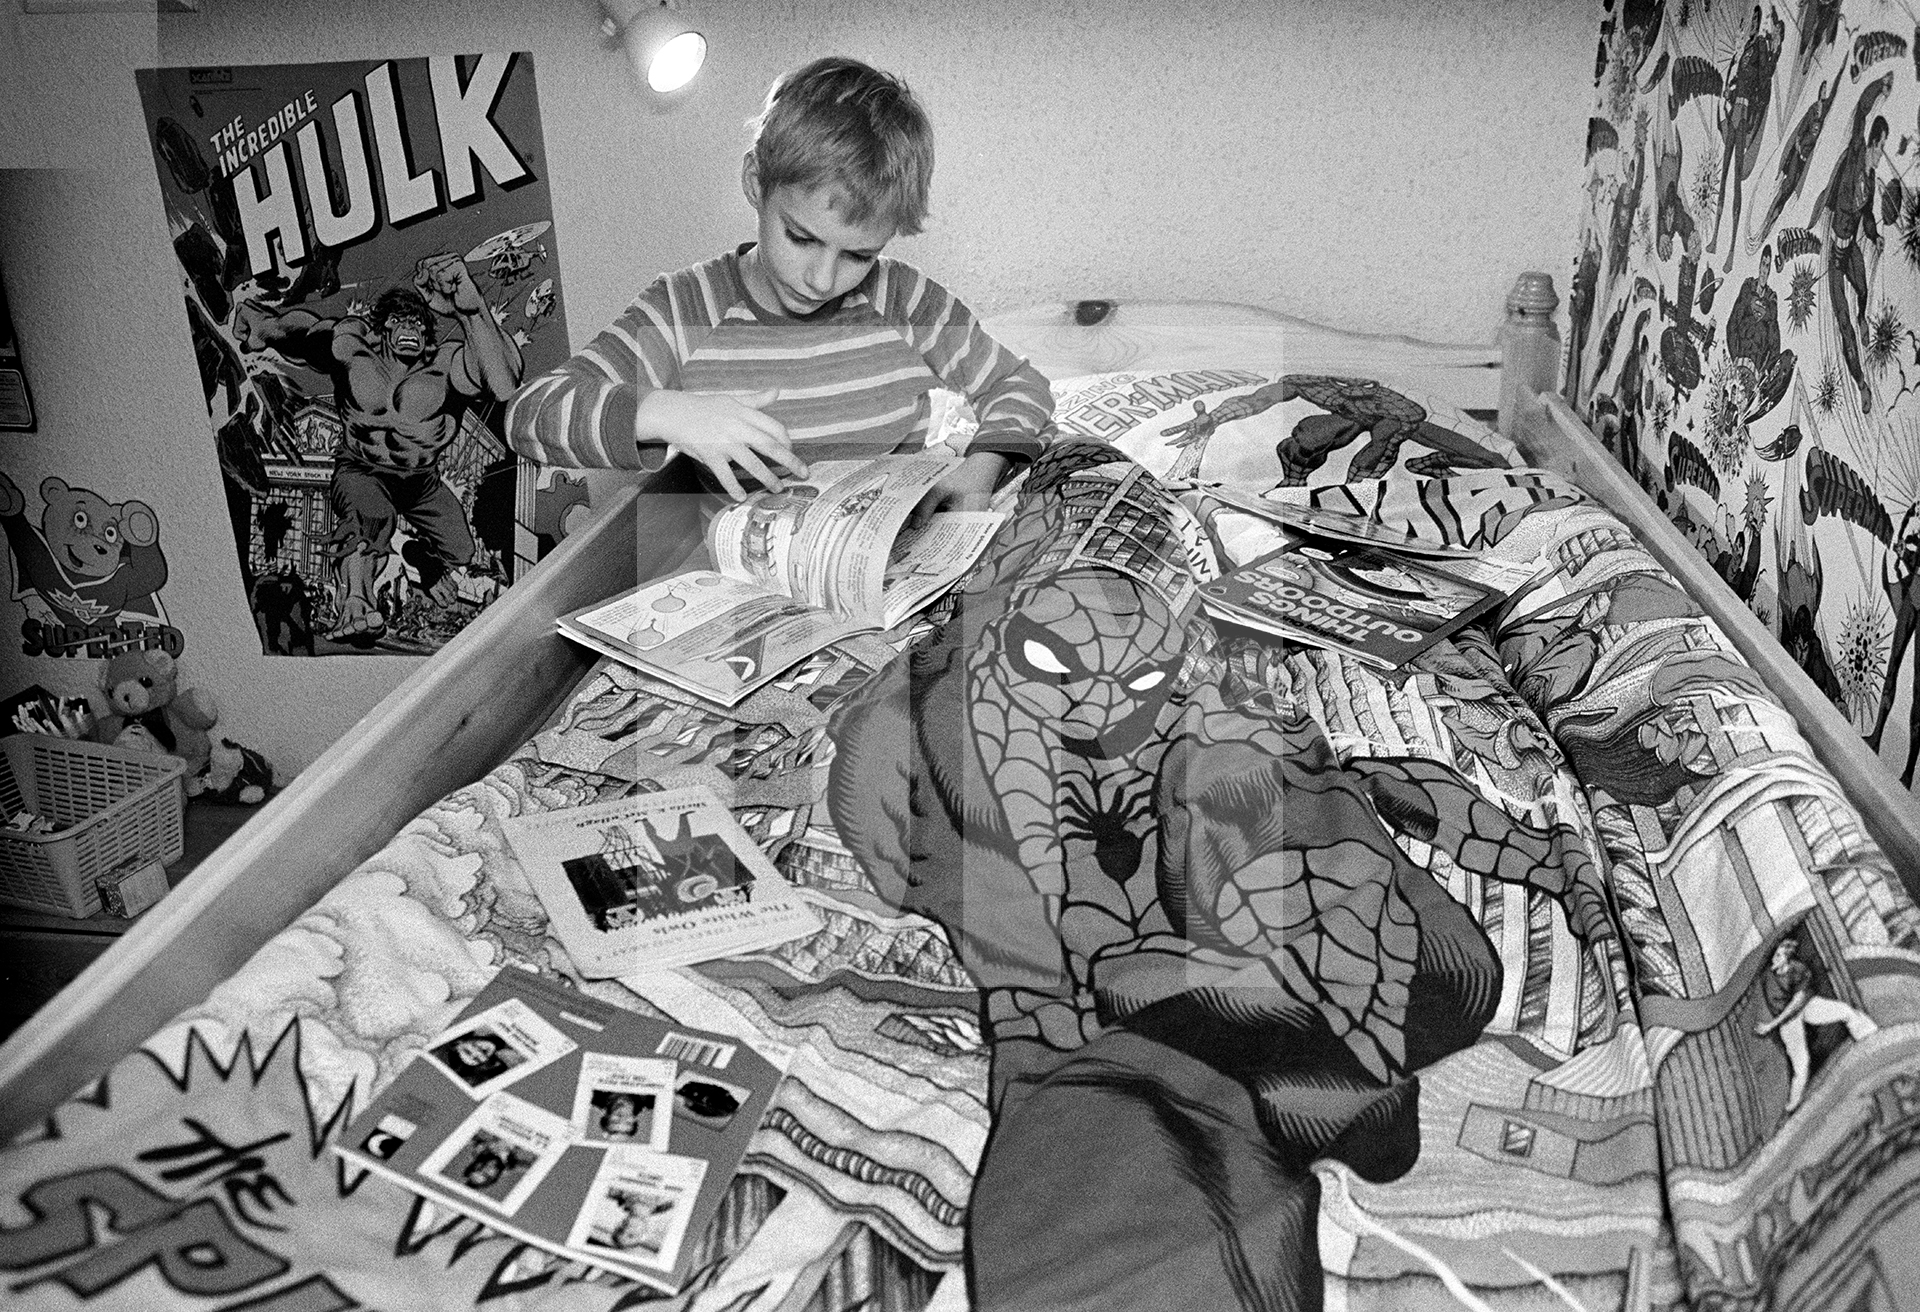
x,y
616,1149
657,879
1381,607
367,256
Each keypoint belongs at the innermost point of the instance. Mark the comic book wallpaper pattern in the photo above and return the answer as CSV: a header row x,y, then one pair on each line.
x,y
1746,316
368,262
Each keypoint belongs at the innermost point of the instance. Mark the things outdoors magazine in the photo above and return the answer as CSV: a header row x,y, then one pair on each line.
x,y
1382,605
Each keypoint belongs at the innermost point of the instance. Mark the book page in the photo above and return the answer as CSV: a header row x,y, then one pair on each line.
x,y
713,636
927,560
826,540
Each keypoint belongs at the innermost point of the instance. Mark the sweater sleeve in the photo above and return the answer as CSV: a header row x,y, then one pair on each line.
x,y
581,413
1010,398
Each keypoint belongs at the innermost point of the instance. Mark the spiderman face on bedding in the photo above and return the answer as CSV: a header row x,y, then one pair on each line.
x,y
1204,958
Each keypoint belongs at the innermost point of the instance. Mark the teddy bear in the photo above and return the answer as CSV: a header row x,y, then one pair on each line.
x,y
236,774
140,700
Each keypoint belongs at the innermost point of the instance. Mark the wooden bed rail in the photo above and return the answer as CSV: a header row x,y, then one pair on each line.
x,y
1550,435
454,718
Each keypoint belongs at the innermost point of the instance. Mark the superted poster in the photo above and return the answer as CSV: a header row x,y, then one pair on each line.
x,y
368,260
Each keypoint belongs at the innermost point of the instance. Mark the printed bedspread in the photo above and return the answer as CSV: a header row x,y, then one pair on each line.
x,y
1162,966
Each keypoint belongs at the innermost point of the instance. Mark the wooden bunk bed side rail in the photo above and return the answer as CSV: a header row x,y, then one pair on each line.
x,y
457,716
1552,436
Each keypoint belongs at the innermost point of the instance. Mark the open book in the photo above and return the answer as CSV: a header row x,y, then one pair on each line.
x,y
793,571
594,1132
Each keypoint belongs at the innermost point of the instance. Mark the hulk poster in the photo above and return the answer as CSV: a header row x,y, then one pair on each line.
x,y
369,269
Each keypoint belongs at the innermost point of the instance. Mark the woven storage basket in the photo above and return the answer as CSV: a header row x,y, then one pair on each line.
x,y
111,803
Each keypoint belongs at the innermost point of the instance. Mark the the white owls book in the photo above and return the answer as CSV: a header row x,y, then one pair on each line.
x,y
657,879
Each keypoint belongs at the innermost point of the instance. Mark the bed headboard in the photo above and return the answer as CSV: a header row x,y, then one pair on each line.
x,y
1065,340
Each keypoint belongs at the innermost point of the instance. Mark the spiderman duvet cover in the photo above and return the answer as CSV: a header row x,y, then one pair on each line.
x,y
1161,965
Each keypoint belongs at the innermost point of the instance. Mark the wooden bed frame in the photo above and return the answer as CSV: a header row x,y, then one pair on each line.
x,y
492,687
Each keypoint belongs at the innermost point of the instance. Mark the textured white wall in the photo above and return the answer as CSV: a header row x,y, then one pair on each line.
x,y
1385,165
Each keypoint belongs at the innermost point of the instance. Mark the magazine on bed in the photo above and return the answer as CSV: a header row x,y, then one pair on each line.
x,y
793,571
654,880
1380,606
594,1132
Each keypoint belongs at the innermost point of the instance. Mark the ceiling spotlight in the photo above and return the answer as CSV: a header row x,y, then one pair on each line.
x,y
659,38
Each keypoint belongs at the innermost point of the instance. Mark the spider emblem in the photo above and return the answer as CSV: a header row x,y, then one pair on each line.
x,y
1115,824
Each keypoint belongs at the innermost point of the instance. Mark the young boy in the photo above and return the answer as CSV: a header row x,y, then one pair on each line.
x,y
807,344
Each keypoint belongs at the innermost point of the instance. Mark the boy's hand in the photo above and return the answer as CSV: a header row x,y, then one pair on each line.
x,y
721,430
968,485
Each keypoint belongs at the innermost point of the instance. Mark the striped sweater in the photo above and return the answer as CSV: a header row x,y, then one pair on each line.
x,y
853,378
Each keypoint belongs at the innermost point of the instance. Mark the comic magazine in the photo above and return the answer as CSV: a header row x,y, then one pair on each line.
x,y
1379,606
367,254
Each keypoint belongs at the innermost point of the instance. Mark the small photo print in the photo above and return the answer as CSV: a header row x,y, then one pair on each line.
x,y
623,1100
386,1138
500,1153
638,1208
492,1049
700,1098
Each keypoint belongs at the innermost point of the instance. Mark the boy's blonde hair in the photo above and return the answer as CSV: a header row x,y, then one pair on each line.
x,y
839,122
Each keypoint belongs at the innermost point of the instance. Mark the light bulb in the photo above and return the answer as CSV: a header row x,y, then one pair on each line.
x,y
676,62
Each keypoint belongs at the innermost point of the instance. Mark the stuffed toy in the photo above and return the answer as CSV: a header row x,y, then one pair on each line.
x,y
236,774
140,692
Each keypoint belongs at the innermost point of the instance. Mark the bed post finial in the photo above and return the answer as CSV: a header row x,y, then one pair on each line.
x,y
1529,348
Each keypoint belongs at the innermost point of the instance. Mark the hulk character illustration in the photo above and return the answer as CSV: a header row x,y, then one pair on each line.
x,y
402,394
1354,406
1205,960
89,562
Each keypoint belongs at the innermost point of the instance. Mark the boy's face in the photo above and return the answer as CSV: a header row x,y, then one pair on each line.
x,y
808,252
